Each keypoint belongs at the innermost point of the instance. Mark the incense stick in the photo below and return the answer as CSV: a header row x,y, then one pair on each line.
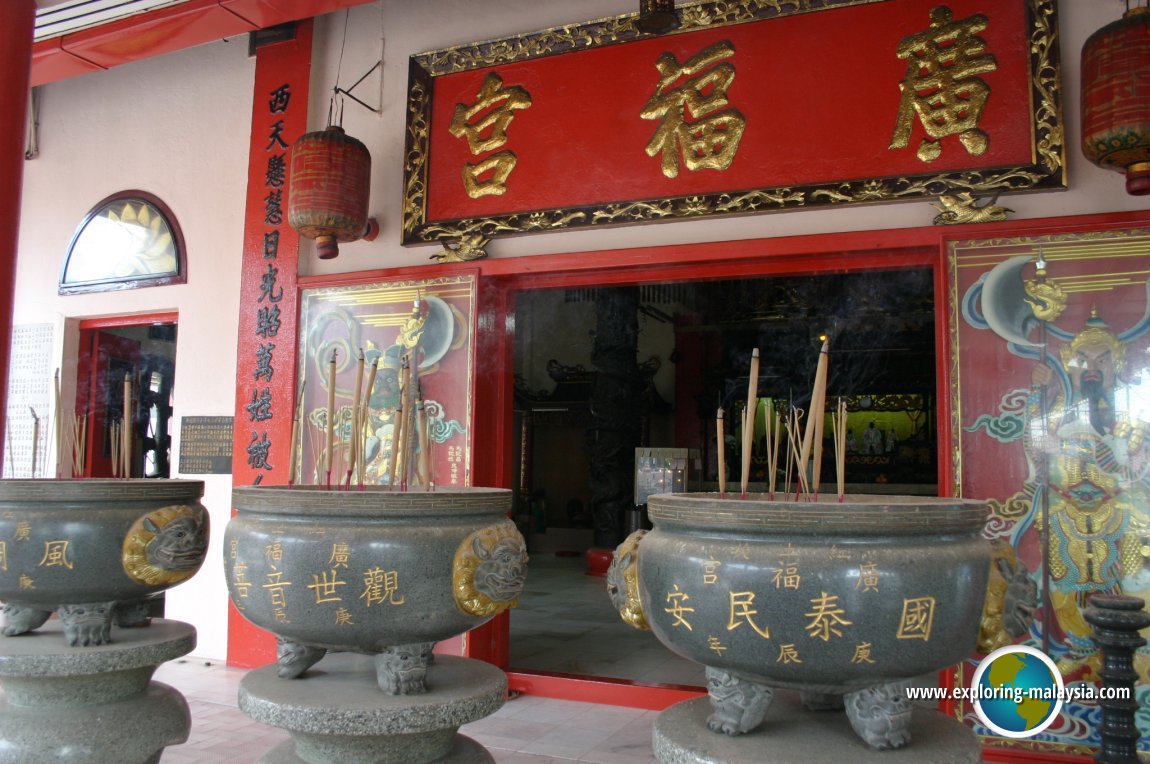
x,y
721,446
749,420
57,424
839,430
126,430
330,417
364,416
818,416
35,438
296,424
353,440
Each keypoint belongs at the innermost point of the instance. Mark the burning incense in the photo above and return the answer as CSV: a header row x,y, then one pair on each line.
x,y
749,420
721,445
330,417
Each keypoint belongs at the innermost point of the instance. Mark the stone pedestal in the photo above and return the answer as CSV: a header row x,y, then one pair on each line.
x,y
791,734
91,705
337,714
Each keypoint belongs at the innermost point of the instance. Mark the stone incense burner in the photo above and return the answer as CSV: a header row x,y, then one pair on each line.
x,y
845,602
374,571
94,551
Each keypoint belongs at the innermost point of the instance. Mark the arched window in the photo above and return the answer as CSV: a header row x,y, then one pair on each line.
x,y
129,240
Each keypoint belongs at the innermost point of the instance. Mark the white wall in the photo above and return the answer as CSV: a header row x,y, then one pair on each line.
x,y
177,126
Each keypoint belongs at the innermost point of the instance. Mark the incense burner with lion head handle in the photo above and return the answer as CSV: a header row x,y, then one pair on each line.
x,y
371,570
95,551
845,602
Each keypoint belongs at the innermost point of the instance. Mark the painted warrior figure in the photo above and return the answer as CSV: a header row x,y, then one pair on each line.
x,y
1095,458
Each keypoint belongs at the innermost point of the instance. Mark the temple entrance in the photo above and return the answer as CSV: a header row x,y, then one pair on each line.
x,y
617,393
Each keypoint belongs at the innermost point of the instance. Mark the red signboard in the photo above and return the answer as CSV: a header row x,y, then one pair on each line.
x,y
745,109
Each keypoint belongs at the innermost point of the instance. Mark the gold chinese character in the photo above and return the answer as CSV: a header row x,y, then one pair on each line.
x,y
240,578
868,577
23,530
862,653
280,615
677,609
234,548
826,617
3,555
917,618
788,654
276,586
497,105
55,553
380,586
711,571
787,574
714,644
274,551
324,585
708,143
343,617
26,582
339,555
741,610
942,85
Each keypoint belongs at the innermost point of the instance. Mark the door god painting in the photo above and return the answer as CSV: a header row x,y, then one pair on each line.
x,y
389,365
1051,410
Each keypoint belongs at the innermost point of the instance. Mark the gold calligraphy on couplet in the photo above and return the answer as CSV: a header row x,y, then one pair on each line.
x,y
483,125
942,85
4,556
697,125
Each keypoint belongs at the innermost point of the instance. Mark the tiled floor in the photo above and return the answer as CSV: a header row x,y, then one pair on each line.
x,y
565,622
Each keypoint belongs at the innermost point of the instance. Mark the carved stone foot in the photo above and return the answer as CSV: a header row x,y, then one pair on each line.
x,y
737,705
88,623
880,715
21,620
821,701
132,614
402,669
294,658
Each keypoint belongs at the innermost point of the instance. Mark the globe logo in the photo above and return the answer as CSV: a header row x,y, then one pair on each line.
x,y
1017,691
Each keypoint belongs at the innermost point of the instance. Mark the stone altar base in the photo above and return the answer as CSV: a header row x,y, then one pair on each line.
x,y
336,713
91,705
791,734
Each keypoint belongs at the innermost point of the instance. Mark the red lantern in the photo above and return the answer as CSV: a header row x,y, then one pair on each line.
x,y
1116,98
328,190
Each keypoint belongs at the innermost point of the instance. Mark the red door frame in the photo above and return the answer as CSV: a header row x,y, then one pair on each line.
x,y
87,365
492,642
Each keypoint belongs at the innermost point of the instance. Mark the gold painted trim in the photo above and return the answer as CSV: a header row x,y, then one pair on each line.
x,y
1046,171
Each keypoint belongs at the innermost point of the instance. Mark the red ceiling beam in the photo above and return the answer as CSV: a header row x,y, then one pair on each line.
x,y
165,30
